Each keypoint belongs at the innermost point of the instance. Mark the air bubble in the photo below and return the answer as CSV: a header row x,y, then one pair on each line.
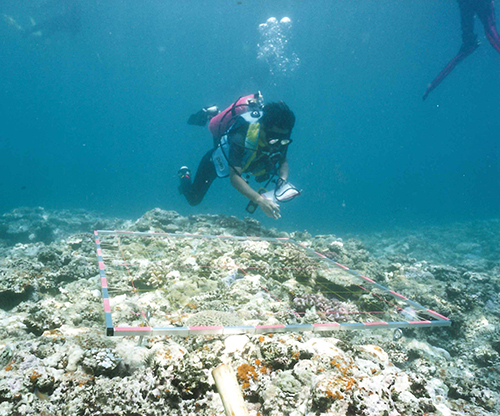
x,y
274,46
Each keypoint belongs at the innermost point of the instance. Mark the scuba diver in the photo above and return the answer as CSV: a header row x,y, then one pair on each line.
x,y
249,138
67,20
485,10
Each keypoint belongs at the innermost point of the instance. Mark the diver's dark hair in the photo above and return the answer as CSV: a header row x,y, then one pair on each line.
x,y
278,115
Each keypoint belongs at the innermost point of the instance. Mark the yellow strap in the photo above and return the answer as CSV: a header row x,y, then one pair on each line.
x,y
252,142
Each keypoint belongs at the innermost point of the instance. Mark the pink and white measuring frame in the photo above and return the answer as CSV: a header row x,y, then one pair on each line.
x,y
434,318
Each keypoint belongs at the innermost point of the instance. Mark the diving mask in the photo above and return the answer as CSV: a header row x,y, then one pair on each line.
x,y
278,137
282,142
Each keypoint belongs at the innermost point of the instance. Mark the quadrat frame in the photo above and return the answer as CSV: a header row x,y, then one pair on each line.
x,y
415,314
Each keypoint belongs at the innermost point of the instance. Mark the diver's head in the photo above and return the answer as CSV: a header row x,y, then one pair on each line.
x,y
278,115
278,121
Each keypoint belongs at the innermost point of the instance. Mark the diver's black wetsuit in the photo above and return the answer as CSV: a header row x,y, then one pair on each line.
x,y
485,11
195,191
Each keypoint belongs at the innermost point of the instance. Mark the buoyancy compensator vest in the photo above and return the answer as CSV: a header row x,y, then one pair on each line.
x,y
220,156
222,122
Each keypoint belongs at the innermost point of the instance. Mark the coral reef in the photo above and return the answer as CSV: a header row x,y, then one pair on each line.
x,y
30,225
55,358
213,318
332,309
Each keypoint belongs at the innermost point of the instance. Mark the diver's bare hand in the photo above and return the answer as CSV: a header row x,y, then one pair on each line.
x,y
269,207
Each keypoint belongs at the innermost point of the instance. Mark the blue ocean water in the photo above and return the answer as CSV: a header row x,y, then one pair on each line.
x,y
97,119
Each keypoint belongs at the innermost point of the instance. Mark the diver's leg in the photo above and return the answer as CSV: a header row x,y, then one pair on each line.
x,y
469,45
205,175
486,14
467,13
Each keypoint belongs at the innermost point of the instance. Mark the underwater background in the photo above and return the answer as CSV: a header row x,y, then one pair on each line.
x,y
94,101
97,119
